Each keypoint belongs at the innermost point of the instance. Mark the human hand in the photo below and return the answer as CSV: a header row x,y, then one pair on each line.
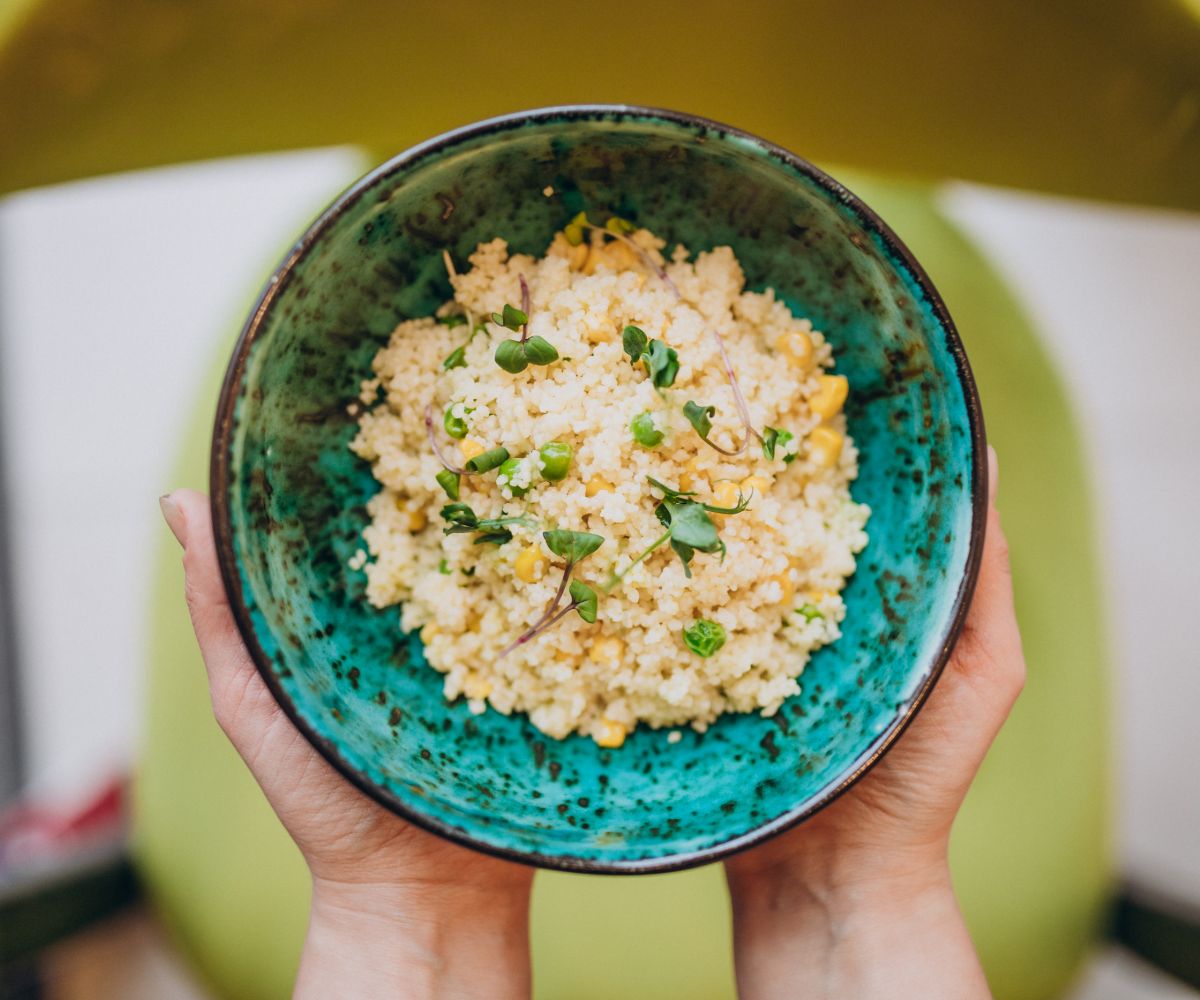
x,y
857,900
394,908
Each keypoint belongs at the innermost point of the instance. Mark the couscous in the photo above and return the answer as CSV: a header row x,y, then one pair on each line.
x,y
615,486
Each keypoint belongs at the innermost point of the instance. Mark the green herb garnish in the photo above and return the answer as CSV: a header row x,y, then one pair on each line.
x,y
584,600
704,637
662,362
493,458
700,417
449,481
774,438
689,528
458,357
635,342
512,318
444,568
573,230
514,356
461,520
572,547
450,322
645,431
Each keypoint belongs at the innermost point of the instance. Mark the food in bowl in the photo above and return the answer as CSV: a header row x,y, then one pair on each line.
x,y
615,485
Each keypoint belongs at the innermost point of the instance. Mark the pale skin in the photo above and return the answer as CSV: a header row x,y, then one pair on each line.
x,y
856,902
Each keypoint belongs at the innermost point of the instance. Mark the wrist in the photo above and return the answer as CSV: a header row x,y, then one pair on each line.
x,y
424,940
838,924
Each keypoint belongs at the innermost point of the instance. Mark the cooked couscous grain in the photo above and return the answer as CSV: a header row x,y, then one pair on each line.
x,y
666,649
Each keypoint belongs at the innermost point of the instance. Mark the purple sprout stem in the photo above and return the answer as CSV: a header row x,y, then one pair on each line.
x,y
738,399
548,619
437,449
637,248
524,307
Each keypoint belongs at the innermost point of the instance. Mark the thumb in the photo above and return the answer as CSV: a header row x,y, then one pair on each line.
x,y
241,701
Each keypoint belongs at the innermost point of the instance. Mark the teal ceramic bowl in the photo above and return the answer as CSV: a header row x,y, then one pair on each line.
x,y
288,496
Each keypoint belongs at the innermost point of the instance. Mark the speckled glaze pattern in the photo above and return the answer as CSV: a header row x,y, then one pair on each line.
x,y
288,496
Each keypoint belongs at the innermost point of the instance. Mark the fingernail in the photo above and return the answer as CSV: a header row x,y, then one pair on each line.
x,y
173,515
993,472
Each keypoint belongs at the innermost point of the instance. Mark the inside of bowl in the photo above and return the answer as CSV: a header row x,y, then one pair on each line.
x,y
296,494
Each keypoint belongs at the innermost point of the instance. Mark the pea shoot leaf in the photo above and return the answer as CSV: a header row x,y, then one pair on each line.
x,y
634,340
572,545
512,318
585,601
663,364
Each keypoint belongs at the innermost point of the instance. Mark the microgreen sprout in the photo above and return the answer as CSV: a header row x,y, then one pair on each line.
x,y
618,229
461,520
645,431
700,417
774,438
572,547
574,234
437,448
661,361
458,357
514,356
689,528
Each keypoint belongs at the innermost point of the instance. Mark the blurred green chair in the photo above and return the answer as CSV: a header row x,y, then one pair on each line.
x,y
1098,108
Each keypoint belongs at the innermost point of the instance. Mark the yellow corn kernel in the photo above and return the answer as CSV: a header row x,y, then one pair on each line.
x,y
607,651
755,483
609,735
429,631
600,335
826,445
830,396
416,520
577,256
691,477
787,587
470,448
725,494
797,347
530,564
476,688
597,484
620,256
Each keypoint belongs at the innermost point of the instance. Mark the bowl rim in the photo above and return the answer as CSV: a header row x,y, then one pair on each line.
x,y
219,482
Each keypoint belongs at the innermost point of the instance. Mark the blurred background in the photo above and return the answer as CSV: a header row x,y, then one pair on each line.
x,y
158,156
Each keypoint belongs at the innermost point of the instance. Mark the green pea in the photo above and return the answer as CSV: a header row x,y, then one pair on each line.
x,y
645,432
508,469
556,460
704,637
456,427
